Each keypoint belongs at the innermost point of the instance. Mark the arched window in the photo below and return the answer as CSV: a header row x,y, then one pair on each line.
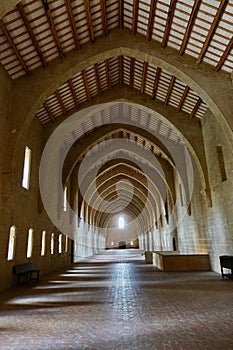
x,y
43,243
60,243
52,243
26,168
30,243
121,223
11,244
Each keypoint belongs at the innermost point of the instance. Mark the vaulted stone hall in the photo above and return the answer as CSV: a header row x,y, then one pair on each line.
x,y
116,174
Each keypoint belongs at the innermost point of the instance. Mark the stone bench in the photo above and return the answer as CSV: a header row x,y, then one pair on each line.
x,y
26,273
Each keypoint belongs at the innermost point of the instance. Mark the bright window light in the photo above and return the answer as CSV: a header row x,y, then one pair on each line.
x,y
30,243
121,223
60,243
11,244
43,243
26,168
65,199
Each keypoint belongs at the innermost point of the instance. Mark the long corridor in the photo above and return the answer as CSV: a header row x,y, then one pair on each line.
x,y
116,301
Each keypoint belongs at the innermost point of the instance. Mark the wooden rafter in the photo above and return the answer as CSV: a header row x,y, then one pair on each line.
x,y
121,69
170,16
144,74
169,91
86,85
189,28
97,78
49,112
212,29
197,105
89,19
132,64
72,23
135,16
121,14
73,93
13,46
151,19
31,34
156,82
185,93
224,55
104,17
53,28
60,102
108,73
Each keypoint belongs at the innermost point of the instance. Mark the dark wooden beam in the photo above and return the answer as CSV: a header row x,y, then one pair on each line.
x,y
49,112
73,93
30,32
121,14
224,55
189,28
86,85
72,23
182,100
135,16
97,78
151,19
53,28
197,105
104,17
13,46
108,73
170,16
169,91
156,82
89,19
132,64
212,29
61,102
144,74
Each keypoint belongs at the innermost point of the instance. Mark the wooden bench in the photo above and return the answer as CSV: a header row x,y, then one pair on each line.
x,y
226,261
26,273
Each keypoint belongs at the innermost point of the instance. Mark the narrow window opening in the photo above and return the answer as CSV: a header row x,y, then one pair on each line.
x,y
112,243
52,243
60,243
131,242
66,244
121,223
43,243
65,199
30,243
26,168
11,244
221,163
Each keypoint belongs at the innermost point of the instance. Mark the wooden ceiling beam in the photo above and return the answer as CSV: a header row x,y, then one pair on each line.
x,y
224,55
104,17
169,91
72,23
53,28
170,16
97,78
144,74
212,30
31,34
49,112
132,64
121,69
135,16
89,19
189,28
73,93
156,82
108,73
121,14
86,85
60,102
151,19
182,100
197,105
13,46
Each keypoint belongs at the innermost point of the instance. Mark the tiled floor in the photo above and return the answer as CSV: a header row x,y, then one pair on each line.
x,y
116,301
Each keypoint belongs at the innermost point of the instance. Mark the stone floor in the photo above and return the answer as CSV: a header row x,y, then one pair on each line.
x,y
116,301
